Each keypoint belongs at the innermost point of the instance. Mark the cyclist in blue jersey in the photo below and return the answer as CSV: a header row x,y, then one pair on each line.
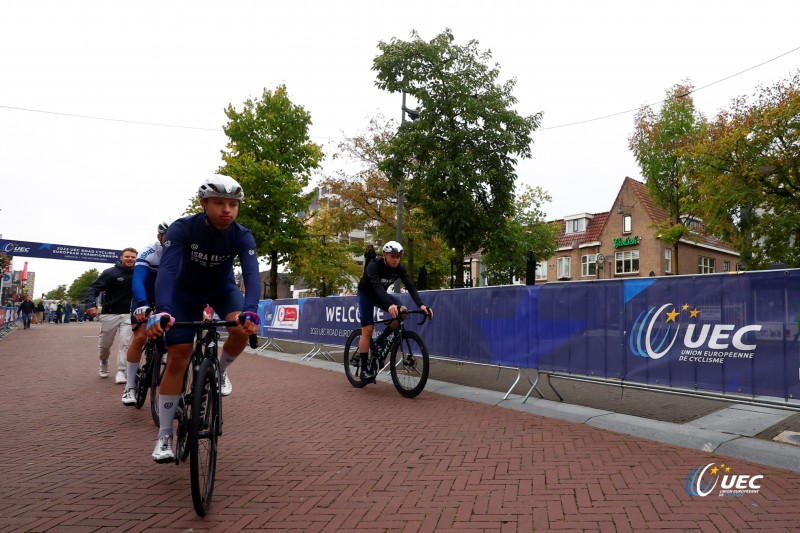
x,y
144,283
196,270
379,274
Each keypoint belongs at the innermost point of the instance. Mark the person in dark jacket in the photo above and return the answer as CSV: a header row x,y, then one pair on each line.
x,y
369,255
26,310
40,311
116,285
378,276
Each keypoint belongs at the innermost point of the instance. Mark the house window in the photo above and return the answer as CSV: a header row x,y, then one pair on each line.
x,y
726,266
627,262
706,265
627,224
577,225
589,265
667,261
564,268
541,270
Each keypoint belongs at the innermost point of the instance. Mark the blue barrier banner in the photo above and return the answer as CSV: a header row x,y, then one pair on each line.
x,y
59,251
733,333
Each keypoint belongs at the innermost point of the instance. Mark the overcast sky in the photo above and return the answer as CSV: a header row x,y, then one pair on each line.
x,y
107,183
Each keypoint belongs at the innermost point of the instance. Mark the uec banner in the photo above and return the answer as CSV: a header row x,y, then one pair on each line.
x,y
59,251
717,332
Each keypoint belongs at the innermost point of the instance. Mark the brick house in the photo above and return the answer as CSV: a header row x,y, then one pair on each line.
x,y
626,241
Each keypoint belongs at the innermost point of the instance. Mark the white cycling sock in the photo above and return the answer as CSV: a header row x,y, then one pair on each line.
x,y
167,405
133,368
225,360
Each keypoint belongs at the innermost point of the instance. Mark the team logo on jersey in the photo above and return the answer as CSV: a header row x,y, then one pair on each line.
x,y
251,252
166,244
195,247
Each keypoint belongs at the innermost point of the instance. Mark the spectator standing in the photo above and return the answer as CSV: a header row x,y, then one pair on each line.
x,y
26,310
59,312
40,311
67,312
115,282
369,255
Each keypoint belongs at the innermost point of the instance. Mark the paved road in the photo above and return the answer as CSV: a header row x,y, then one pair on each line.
x,y
304,451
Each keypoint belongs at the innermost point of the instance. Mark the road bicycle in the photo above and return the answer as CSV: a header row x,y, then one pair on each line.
x,y
199,413
148,376
409,363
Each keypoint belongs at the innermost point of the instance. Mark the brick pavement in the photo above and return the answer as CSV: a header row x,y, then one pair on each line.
x,y
304,451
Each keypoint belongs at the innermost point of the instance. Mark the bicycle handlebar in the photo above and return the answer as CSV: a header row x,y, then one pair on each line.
x,y
209,324
399,317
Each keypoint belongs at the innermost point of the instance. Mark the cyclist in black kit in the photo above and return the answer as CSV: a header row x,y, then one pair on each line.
x,y
379,274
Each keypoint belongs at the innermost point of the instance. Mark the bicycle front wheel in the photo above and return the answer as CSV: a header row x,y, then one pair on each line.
x,y
203,435
409,364
352,360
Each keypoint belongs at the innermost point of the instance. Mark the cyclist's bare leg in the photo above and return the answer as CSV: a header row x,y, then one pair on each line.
x,y
134,354
178,357
137,343
237,339
366,337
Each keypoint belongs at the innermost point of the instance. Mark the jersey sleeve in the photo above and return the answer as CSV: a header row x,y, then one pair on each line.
x,y
249,262
140,273
95,289
169,267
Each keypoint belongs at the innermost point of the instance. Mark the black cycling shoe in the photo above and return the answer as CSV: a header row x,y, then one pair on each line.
x,y
367,375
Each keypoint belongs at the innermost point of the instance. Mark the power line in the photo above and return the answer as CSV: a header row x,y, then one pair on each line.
x,y
662,101
540,129
109,119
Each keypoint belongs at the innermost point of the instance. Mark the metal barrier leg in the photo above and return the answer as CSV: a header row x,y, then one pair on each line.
x,y
519,374
270,344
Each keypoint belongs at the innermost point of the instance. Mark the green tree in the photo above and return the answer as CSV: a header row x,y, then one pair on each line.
x,y
77,291
525,230
325,258
661,145
749,176
365,199
59,293
459,157
270,153
4,261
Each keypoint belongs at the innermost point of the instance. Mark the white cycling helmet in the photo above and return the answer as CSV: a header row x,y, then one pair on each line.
x,y
219,186
162,228
393,247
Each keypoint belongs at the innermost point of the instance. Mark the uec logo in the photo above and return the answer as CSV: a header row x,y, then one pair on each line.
x,y
703,480
653,337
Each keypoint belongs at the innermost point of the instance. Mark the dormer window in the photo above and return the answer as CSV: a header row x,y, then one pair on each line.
x,y
691,221
577,223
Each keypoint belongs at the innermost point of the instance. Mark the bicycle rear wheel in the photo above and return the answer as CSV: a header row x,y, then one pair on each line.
x,y
184,415
203,435
352,360
143,375
158,363
409,364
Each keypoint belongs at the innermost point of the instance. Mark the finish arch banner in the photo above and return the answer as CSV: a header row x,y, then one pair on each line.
x,y
66,252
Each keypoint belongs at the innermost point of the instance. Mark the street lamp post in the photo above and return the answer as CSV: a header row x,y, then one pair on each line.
x,y
413,114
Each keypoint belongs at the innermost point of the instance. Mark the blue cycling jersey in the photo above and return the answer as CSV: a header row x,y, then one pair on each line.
x,y
198,259
144,275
